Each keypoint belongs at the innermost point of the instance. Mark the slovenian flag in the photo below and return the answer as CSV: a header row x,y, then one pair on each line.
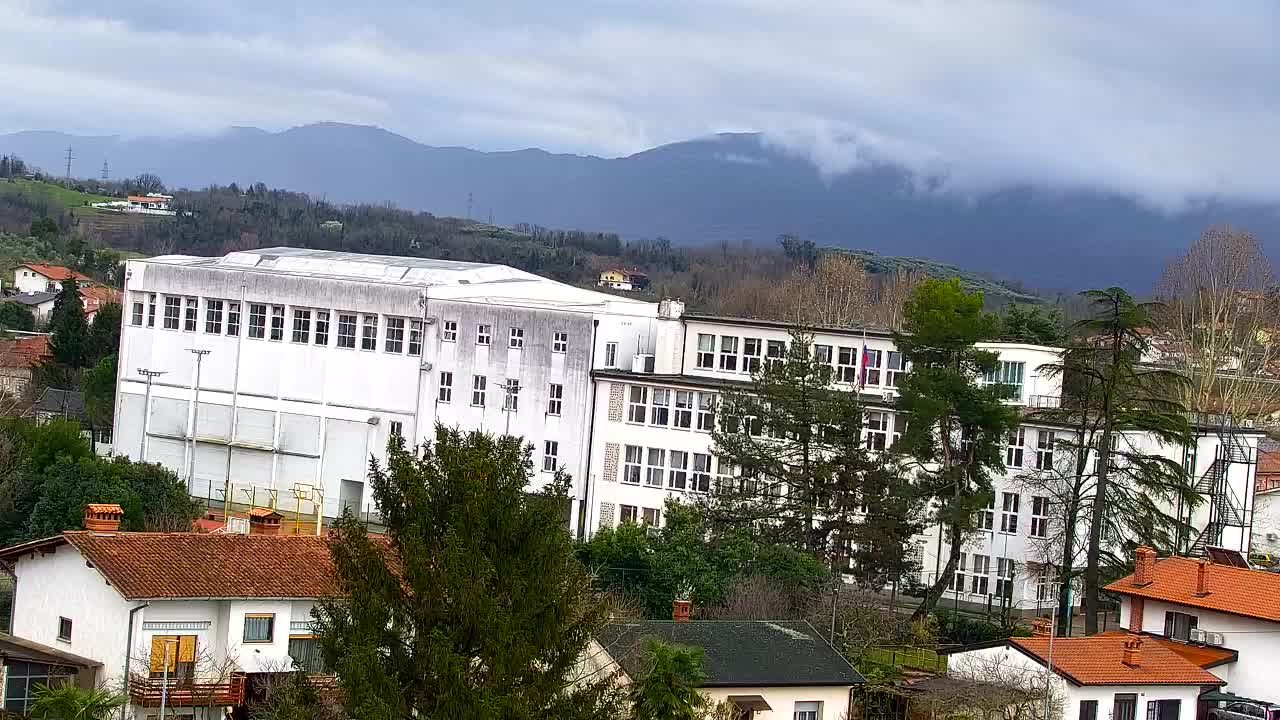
x,y
862,377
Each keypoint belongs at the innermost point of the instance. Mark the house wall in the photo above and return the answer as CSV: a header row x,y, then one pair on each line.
x,y
1266,522
27,280
834,699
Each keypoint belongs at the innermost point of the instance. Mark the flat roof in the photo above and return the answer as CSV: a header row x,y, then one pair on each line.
x,y
446,279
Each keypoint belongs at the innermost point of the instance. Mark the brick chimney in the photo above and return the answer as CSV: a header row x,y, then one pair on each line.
x,y
1202,580
264,521
1132,646
680,610
1144,566
1041,627
102,517
1136,606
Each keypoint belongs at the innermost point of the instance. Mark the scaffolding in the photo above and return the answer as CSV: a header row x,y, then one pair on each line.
x,y
1226,508
301,505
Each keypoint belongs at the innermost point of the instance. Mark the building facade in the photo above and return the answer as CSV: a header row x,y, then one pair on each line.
x,y
307,362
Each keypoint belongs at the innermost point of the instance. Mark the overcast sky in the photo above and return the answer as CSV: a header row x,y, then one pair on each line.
x,y
1169,101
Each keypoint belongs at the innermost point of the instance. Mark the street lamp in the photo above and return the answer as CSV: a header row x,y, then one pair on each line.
x,y
512,390
164,683
146,409
195,420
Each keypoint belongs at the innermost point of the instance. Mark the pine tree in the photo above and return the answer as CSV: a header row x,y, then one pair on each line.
x,y
955,426
474,606
70,341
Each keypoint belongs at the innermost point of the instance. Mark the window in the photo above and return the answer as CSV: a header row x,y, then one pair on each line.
x,y
172,310
701,481
394,341
661,414
212,317
151,310
1124,707
895,369
957,580
822,353
415,337
22,679
550,455
305,652
516,341
751,349
484,334
679,470
1039,517
511,395
611,355
684,409
1013,450
560,342
445,393
871,366
775,353
807,710
233,319
478,384
631,464
1044,449
728,352
322,327
1088,710
259,628
655,467
1009,375
450,332
135,317
986,518
257,321
277,322
1163,709
189,317
1178,625
301,325
369,332
981,568
1005,570
847,365
1009,512
637,399
726,471
555,399
346,330
706,351
877,430
174,655
64,629
397,428
706,412
627,514
652,517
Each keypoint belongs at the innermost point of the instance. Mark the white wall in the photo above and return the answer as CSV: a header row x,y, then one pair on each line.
x,y
834,699
1266,522
27,280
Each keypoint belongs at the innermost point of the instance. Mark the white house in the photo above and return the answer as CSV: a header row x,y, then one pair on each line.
x,y
1100,677
1209,607
767,670
40,278
307,361
207,611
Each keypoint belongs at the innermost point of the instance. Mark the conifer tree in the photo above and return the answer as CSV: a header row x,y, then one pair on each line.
x,y
70,341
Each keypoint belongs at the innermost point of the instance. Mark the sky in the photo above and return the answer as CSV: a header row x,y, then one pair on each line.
x,y
1170,102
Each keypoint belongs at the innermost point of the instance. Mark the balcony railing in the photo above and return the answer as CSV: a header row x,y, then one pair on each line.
x,y
187,693
1044,402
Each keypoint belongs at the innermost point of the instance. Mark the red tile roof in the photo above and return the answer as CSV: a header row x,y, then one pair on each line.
x,y
202,565
55,272
1098,660
1203,655
95,296
1238,591
24,352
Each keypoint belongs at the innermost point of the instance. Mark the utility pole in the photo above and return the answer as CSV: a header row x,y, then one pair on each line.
x,y
70,156
512,390
104,170
468,205
195,420
146,409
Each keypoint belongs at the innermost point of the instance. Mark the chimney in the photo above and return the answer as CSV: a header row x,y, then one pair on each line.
x,y
1136,606
1144,566
1202,582
1132,645
680,610
1041,627
102,517
264,521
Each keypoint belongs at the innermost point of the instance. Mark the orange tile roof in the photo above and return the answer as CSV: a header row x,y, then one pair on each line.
x,y
55,272
202,565
95,296
147,198
1098,660
1205,656
24,352
1238,591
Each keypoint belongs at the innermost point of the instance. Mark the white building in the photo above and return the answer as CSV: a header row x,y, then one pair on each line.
x,y
40,278
315,358
212,609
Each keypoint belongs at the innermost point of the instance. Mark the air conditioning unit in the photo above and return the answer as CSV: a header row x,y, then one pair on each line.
x,y
1214,638
1198,636
642,363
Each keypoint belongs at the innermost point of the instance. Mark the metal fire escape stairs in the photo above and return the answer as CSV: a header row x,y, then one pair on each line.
x,y
1226,509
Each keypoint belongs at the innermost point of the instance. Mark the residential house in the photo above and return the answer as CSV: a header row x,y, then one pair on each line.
x,y
619,279
206,611
1117,676
1210,606
39,303
59,404
767,670
18,358
93,297
1266,513
39,277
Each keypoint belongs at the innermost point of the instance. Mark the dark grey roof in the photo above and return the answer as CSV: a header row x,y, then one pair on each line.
x,y
68,403
737,653
35,298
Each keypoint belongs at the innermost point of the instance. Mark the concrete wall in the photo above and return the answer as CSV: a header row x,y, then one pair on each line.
x,y
26,280
1266,522
834,700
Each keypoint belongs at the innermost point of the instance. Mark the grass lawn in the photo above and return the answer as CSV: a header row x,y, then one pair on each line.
x,y
51,192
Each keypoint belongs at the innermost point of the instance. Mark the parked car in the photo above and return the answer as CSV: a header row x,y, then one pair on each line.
x,y
1263,559
1242,711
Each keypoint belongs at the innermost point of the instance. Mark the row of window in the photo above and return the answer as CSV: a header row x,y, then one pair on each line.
x,y
1016,447
973,575
669,469
1010,504
510,390
854,365
312,326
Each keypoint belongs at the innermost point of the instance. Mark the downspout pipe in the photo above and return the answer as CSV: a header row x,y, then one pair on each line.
x,y
588,497
128,655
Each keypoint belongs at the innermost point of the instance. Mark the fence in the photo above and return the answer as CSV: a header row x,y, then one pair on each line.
x,y
907,657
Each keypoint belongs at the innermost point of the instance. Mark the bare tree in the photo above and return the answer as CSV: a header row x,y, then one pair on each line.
x,y
998,685
1217,324
833,293
889,297
754,598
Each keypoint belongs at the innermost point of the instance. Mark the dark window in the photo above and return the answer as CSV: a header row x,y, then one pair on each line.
x,y
1178,625
306,654
259,628
1088,710
1163,709
22,679
64,629
1125,707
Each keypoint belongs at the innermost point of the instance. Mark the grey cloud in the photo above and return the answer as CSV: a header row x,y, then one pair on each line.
x,y
1171,102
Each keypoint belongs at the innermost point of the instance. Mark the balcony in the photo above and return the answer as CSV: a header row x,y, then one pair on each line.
x,y
1044,402
148,692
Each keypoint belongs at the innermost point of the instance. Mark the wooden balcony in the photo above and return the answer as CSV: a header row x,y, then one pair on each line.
x,y
148,692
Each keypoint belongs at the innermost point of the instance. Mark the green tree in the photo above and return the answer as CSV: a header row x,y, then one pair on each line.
x,y
70,342
1032,324
474,606
668,687
104,333
16,317
44,228
70,702
99,387
68,486
955,426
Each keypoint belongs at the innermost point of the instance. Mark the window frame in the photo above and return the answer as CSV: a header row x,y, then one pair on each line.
x,y
444,390
66,627
479,389
271,628
257,321
320,337
449,331
555,399
393,338
172,312
484,335
368,340
1009,517
611,355
551,452
301,330
190,314
277,324
414,347
348,330
559,342
515,339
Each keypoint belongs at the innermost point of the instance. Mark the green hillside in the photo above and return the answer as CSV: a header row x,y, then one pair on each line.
x,y
50,192
993,289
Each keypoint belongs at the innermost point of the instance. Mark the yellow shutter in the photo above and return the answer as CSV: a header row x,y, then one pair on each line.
x,y
158,645
186,648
